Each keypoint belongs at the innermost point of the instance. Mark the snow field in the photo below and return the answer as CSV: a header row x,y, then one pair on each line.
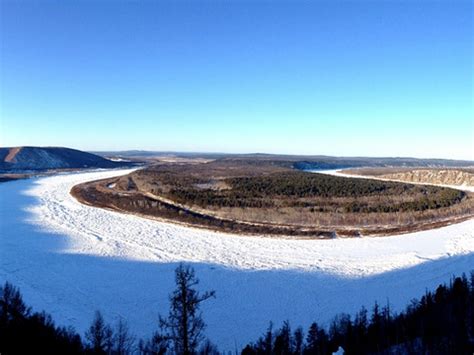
x,y
70,259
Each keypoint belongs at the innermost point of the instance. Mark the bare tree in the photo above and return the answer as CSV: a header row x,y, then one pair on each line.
x,y
184,324
157,345
208,348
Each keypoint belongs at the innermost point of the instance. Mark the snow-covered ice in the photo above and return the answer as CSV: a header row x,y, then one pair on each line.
x,y
70,259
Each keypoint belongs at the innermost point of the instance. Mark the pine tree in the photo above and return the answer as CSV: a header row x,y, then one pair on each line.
x,y
12,306
298,341
184,324
100,335
265,343
123,341
312,338
316,340
283,340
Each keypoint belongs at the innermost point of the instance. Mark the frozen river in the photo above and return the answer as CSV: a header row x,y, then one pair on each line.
x,y
70,260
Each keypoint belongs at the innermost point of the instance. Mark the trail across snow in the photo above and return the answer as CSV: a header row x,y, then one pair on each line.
x,y
71,259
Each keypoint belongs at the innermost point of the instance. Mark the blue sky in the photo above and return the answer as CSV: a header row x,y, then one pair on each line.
x,y
372,78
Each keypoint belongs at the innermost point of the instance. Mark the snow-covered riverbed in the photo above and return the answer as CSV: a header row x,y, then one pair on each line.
x,y
71,259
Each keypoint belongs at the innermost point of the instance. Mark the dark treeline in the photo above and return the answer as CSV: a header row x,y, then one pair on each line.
x,y
441,322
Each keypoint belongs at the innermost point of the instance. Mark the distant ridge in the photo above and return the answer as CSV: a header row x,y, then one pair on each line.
x,y
44,158
302,162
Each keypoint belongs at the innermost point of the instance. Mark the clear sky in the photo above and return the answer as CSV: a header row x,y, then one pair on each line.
x,y
371,78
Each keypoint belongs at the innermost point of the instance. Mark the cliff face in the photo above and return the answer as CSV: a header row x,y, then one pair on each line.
x,y
434,176
39,158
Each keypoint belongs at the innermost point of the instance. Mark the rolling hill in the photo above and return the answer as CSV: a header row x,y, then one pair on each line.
x,y
16,159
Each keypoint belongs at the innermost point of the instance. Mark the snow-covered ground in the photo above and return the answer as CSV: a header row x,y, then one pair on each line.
x,y
70,259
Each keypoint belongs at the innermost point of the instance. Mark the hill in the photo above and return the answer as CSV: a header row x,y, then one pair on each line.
x,y
16,159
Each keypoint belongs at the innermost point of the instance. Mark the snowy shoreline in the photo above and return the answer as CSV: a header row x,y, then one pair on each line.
x,y
71,259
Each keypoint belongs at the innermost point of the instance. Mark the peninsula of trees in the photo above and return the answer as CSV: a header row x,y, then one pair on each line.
x,y
259,196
